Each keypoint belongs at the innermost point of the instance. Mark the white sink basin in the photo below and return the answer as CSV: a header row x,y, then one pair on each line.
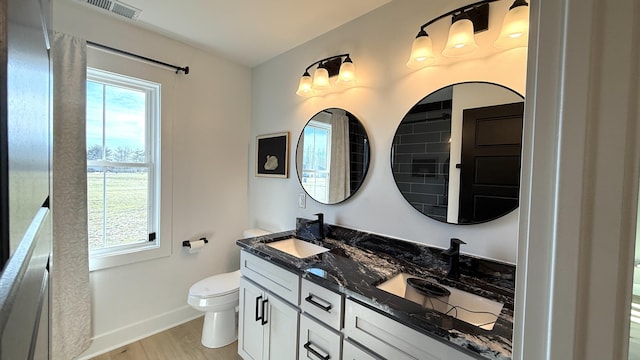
x,y
470,308
298,248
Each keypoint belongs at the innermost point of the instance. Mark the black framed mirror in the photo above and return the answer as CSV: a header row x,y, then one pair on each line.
x,y
456,154
332,156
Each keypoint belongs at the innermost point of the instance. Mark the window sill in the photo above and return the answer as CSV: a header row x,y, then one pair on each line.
x,y
130,256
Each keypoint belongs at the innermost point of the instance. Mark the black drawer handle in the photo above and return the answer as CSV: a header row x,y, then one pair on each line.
x,y
310,300
315,352
258,318
264,318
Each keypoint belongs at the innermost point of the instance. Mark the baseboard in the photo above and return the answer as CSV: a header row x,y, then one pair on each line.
x,y
104,343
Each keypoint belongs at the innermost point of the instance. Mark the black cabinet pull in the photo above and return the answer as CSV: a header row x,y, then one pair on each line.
x,y
264,318
315,352
310,300
258,318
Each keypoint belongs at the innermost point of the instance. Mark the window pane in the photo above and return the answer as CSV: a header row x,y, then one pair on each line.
x,y
126,206
125,112
315,173
95,123
95,207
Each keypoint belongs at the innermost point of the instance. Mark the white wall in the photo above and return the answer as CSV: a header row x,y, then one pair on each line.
x,y
379,43
206,118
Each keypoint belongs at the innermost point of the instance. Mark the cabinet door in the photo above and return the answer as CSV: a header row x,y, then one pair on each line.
x,y
250,329
317,342
282,330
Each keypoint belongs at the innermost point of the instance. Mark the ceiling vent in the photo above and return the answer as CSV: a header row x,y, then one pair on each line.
x,y
115,7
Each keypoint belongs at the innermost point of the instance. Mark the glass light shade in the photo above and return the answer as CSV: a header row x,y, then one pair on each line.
x,y
321,79
347,75
421,52
461,39
304,87
515,29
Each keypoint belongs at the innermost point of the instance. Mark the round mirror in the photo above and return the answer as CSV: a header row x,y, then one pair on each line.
x,y
456,153
332,156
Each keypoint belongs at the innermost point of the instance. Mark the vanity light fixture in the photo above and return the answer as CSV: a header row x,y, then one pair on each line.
x,y
325,70
465,22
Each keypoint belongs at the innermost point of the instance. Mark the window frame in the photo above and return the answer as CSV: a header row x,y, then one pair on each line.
x,y
141,251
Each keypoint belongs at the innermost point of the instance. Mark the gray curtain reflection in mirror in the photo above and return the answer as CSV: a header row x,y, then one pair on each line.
x,y
339,179
332,156
456,153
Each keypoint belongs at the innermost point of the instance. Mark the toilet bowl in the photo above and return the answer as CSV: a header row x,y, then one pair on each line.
x,y
217,296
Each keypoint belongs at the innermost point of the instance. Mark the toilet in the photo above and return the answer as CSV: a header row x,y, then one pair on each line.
x,y
218,296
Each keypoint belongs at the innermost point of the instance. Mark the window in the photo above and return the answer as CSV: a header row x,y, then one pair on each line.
x,y
317,158
123,182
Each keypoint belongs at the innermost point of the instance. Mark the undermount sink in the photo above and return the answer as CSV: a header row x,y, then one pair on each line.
x,y
470,308
298,248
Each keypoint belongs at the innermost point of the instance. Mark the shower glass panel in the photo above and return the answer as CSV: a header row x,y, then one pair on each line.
x,y
634,339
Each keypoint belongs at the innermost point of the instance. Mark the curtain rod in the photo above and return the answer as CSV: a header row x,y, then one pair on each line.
x,y
176,68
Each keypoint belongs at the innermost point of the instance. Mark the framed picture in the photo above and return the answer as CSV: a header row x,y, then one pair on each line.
x,y
272,155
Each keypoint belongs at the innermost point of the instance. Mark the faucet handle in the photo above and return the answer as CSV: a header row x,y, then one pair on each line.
x,y
320,216
454,247
455,242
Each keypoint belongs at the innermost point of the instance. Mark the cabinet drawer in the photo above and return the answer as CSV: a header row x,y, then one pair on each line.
x,y
317,342
351,351
277,280
321,303
393,340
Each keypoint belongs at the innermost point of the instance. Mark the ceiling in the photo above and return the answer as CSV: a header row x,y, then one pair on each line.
x,y
247,31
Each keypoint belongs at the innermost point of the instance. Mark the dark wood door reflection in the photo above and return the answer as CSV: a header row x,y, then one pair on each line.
x,y
490,169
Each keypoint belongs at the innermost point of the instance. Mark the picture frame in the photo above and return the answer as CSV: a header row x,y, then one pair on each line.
x,y
272,155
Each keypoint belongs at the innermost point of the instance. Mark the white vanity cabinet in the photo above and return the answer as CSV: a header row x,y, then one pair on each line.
x,y
391,340
267,320
282,317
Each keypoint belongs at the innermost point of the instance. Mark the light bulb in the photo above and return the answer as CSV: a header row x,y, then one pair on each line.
x,y
421,51
461,39
515,27
347,75
304,87
321,78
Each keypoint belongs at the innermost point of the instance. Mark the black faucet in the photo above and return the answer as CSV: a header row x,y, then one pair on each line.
x,y
453,253
320,222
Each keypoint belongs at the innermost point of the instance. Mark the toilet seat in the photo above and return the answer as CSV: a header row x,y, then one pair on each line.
x,y
216,285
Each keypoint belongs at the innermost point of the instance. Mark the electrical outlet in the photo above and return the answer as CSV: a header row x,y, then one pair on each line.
x,y
302,200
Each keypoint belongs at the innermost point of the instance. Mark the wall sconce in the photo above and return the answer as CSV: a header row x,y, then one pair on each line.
x,y
327,68
465,22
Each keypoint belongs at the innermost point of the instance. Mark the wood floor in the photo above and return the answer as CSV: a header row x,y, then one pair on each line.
x,y
179,343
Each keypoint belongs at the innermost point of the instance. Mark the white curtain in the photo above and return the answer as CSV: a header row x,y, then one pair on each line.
x,y
339,183
70,292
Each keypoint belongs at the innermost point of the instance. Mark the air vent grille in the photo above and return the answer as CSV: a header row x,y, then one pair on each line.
x,y
103,4
123,11
115,7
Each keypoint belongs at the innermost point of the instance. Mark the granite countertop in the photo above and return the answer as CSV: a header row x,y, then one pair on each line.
x,y
359,261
